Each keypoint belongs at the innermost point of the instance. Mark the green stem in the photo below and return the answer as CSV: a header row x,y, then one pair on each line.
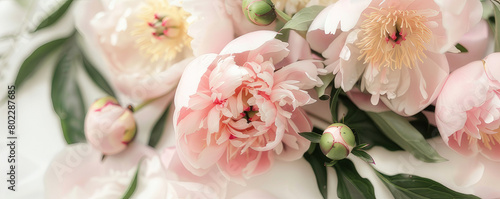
x,y
283,16
143,104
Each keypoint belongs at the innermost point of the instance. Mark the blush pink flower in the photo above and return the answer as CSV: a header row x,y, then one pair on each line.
x,y
238,110
468,109
145,43
392,49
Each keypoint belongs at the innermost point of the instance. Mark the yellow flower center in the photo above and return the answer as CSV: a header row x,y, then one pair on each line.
x,y
490,139
393,38
162,30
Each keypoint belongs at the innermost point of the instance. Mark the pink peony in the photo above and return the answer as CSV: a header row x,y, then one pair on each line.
x,y
144,42
468,109
239,111
392,49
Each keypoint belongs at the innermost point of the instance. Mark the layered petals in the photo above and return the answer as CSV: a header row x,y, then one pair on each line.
x,y
468,109
237,111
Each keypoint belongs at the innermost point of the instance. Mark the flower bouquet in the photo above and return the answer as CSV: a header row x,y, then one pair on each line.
x,y
254,98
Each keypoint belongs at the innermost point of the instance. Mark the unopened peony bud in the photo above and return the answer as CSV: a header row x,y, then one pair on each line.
x,y
259,12
337,141
108,126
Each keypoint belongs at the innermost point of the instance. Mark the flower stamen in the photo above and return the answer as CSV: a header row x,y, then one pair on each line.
x,y
393,38
162,31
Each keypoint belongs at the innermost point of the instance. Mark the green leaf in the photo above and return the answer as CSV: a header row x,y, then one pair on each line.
x,y
158,129
415,187
363,155
399,130
327,79
461,48
364,128
318,166
496,11
55,16
67,99
32,62
303,19
334,104
311,136
350,183
360,146
96,77
133,185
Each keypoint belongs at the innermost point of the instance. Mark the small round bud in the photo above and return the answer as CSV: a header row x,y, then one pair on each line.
x,y
108,126
259,12
337,141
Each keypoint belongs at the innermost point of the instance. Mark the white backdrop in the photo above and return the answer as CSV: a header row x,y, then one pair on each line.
x,y
40,136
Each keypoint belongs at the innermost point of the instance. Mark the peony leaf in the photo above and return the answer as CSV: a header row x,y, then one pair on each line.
x,y
318,166
311,136
32,62
363,155
96,77
327,79
421,123
411,186
67,99
159,128
364,128
350,183
334,104
55,16
399,130
496,11
303,19
133,184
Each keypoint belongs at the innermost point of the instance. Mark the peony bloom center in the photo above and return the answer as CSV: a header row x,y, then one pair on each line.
x,y
394,38
489,139
161,32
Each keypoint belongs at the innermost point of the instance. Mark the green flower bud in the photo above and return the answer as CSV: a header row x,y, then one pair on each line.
x,y
337,141
259,12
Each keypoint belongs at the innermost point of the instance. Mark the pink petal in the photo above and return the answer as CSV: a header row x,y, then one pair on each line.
x,y
345,13
211,21
453,103
426,81
362,101
248,42
305,72
459,16
188,84
476,42
294,145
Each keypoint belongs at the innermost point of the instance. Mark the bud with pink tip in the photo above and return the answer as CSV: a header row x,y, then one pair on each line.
x,y
337,141
108,126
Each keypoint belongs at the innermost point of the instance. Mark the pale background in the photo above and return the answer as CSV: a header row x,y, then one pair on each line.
x,y
40,137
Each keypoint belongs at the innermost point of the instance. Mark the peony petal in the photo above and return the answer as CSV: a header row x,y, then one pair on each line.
x,y
426,83
453,103
476,42
212,21
467,12
345,13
